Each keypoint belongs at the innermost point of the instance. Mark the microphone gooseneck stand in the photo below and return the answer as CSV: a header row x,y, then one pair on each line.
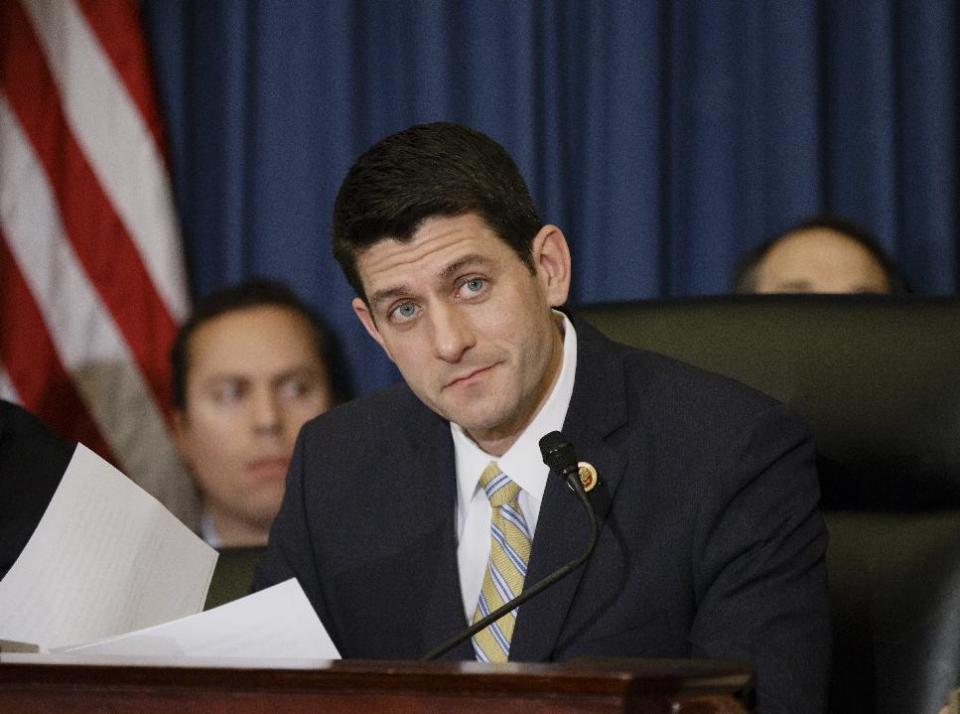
x,y
559,455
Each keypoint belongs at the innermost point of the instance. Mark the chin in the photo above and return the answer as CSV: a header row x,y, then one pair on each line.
x,y
265,510
482,424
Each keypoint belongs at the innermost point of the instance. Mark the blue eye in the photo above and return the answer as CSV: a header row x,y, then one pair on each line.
x,y
472,288
404,311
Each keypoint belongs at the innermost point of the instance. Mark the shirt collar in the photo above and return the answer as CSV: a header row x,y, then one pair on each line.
x,y
208,531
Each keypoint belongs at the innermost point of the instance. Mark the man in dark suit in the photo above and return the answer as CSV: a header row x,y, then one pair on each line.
x,y
32,461
711,544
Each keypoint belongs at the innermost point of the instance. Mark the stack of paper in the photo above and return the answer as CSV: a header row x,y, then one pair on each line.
x,y
110,572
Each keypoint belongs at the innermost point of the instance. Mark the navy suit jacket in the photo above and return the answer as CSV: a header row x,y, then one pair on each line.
x,y
32,461
711,541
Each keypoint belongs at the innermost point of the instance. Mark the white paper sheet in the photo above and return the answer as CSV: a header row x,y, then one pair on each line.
x,y
275,623
84,658
106,558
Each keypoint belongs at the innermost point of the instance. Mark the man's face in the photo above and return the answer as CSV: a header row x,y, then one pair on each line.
x,y
820,260
467,324
254,377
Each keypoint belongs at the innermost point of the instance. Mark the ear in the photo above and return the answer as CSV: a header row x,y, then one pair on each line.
x,y
551,256
362,311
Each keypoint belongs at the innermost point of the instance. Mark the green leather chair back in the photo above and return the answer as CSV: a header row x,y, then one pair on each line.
x,y
878,381
233,575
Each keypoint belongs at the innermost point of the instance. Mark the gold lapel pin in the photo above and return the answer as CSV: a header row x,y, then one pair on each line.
x,y
588,476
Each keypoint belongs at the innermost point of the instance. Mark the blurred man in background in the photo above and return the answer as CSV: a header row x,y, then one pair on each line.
x,y
821,255
250,366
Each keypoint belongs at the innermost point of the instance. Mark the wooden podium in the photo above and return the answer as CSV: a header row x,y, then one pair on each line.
x,y
668,686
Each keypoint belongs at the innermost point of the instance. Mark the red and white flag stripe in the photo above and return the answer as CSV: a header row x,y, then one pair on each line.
x,y
92,284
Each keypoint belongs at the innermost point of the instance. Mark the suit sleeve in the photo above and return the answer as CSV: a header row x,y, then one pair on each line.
x,y
760,567
32,462
290,552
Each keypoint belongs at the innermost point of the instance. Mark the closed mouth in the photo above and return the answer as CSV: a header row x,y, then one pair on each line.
x,y
469,376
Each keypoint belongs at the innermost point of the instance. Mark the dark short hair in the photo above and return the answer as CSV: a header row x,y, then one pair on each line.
x,y
745,278
439,169
252,294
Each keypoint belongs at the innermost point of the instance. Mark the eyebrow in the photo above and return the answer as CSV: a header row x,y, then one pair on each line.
x,y
382,296
300,372
457,266
794,285
404,289
303,370
214,379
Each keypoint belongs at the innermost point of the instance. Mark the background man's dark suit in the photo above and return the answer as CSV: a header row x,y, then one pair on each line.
x,y
32,460
711,541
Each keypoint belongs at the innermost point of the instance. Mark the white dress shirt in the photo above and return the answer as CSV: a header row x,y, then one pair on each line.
x,y
522,463
208,531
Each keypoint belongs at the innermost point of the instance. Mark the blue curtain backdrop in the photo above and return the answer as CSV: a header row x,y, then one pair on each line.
x,y
665,138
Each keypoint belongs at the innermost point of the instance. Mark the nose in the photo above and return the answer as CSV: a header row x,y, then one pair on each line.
x,y
452,332
267,415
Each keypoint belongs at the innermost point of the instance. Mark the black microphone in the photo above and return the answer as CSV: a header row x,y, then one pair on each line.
x,y
560,456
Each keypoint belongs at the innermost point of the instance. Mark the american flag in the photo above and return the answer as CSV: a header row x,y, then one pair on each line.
x,y
92,283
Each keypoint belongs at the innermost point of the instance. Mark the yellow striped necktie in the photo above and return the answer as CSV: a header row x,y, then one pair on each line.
x,y
509,553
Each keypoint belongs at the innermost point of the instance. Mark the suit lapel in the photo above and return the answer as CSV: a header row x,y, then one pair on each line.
x,y
433,465
597,408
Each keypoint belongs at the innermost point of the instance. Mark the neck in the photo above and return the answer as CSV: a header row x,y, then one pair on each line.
x,y
234,532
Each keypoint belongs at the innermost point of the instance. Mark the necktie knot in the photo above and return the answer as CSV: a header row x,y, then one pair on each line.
x,y
499,488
